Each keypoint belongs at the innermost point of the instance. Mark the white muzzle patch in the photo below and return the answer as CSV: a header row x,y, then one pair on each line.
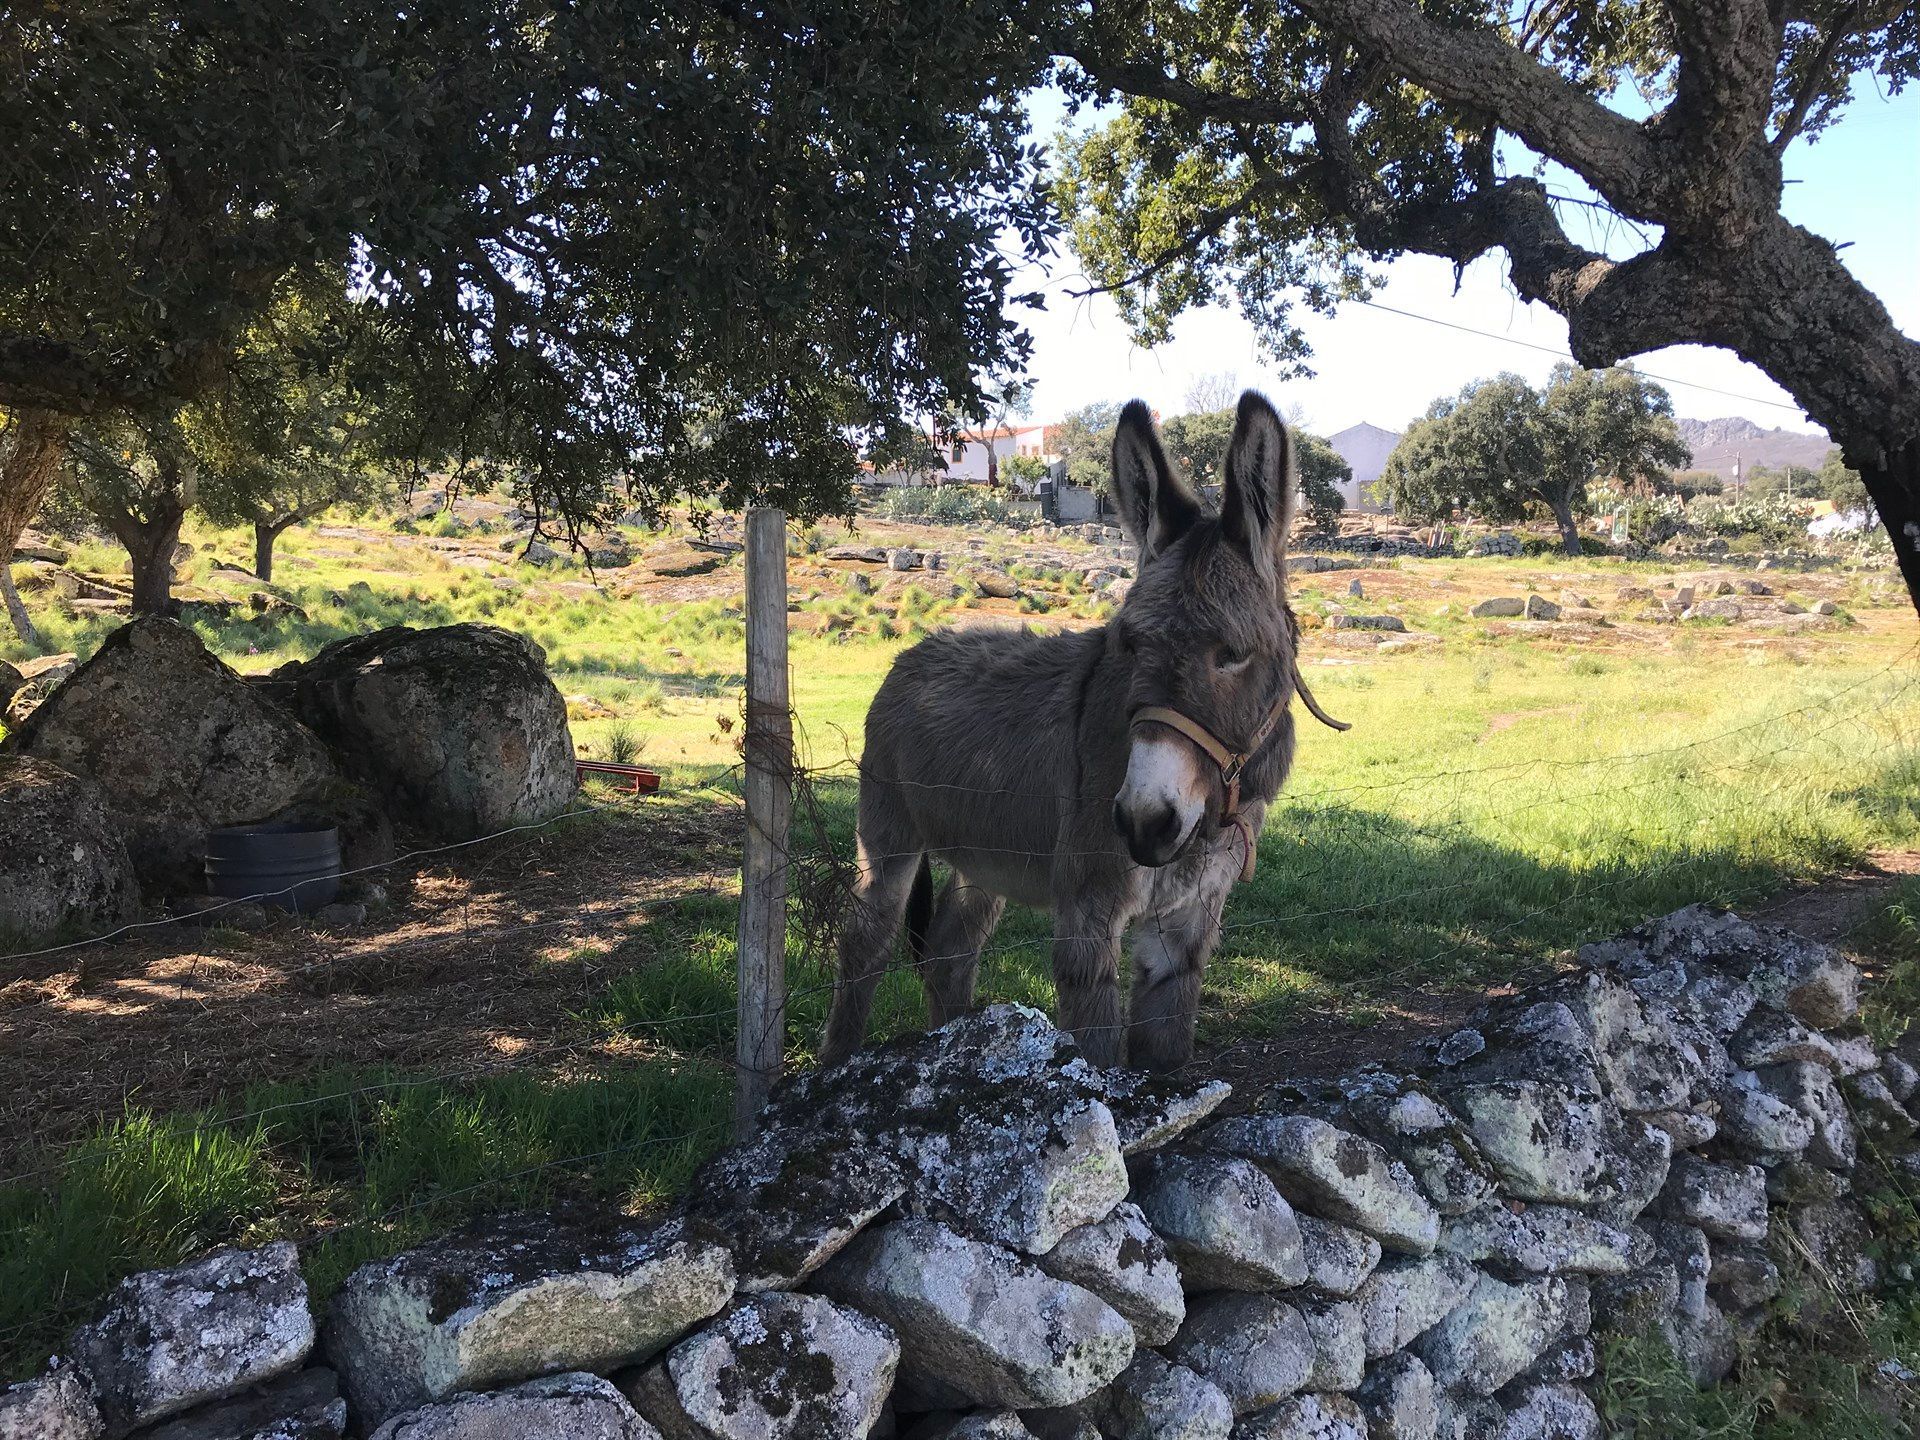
x,y
1163,773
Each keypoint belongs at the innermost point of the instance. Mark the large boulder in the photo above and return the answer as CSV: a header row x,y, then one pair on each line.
x,y
178,743
459,728
62,860
574,1406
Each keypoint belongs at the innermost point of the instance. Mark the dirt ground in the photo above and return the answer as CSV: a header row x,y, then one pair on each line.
x,y
484,959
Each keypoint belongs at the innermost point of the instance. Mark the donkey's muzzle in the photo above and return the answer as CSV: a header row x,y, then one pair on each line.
x,y
1153,833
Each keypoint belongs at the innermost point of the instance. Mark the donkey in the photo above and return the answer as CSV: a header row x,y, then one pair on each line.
x,y
1115,776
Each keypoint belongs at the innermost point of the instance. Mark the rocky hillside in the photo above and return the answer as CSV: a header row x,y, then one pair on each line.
x,y
1716,444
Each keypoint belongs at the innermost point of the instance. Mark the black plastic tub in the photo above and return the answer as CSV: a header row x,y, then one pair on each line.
x,y
293,867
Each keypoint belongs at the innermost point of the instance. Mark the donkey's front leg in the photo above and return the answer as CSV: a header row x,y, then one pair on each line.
x,y
1170,954
1086,972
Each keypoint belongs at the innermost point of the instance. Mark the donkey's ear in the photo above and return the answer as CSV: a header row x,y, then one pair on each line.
x,y
1155,506
1258,501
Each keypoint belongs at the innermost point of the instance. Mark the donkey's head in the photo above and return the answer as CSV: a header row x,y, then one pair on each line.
x,y
1205,628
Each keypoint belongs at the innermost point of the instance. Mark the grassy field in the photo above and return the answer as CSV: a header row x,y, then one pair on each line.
x,y
1502,797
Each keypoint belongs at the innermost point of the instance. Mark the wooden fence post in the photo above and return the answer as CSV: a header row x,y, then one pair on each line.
x,y
769,793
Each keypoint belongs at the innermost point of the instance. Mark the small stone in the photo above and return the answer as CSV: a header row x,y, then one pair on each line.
x,y
978,1325
305,1405
1338,1258
1499,607
1540,1240
1404,1298
1687,1129
168,1340
1399,1400
903,560
1743,1276
1391,623
341,915
1339,1344
1336,1175
1223,1221
1874,1107
1550,1412
1306,1417
1572,1359
56,1406
1727,1202
1771,1037
1902,1078
1494,1334
574,1405
506,1299
785,1367
1154,1399
1839,1242
1548,1145
1122,1261
1255,1348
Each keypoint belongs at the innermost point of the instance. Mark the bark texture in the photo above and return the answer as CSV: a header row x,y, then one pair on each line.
x,y
32,443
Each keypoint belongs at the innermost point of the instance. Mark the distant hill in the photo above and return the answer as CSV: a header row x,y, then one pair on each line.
x,y
1716,444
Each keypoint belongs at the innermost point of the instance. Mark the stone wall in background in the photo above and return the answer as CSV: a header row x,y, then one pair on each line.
x,y
972,1233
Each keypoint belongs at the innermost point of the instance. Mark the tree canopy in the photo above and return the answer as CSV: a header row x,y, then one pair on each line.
x,y
1501,447
1197,443
1267,155
619,249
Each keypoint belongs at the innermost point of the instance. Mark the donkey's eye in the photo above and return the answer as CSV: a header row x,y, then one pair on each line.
x,y
1229,659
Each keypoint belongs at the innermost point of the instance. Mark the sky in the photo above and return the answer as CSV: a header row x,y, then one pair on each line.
x,y
1858,184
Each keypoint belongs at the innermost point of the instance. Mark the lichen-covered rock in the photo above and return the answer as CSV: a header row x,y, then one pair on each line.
x,y
305,1405
1338,1258
1549,1145
518,1297
1756,1121
785,1367
1404,1298
1122,1261
458,727
1901,1075
177,743
787,1201
1067,1422
1306,1417
1539,1239
1839,1243
1223,1221
1399,1400
1494,1334
1152,1109
1468,1417
980,1425
1742,1277
1811,1090
1727,1202
1335,1174
1874,1108
55,1406
1528,1038
1398,1114
1694,1326
1784,970
1339,1344
1772,1037
1002,1126
1550,1412
1686,1129
1255,1348
62,859
570,1406
167,1340
1154,1399
1795,1182
1565,1359
978,1325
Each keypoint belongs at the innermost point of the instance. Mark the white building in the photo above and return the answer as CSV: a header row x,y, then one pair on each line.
x,y
1366,448
974,457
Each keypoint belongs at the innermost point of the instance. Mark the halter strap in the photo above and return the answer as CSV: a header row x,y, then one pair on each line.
x,y
1233,763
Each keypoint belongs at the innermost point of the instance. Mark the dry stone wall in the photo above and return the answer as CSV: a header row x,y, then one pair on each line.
x,y
974,1235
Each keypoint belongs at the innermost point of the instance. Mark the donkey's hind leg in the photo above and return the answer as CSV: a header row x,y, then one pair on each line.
x,y
866,941
1170,954
963,921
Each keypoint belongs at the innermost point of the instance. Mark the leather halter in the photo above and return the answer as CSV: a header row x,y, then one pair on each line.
x,y
1233,763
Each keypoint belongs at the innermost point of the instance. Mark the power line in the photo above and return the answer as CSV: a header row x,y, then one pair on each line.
x,y
1568,355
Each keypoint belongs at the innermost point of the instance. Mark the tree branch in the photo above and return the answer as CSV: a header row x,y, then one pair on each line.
x,y
1478,70
1814,81
1173,254
1151,82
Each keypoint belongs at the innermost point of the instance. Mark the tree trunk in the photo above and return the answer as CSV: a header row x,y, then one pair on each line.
x,y
30,450
17,612
1569,530
263,538
1895,490
150,544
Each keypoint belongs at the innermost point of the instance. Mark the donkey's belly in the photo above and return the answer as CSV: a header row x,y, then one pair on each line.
x,y
1024,879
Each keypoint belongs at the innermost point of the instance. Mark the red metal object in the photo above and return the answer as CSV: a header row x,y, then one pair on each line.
x,y
643,781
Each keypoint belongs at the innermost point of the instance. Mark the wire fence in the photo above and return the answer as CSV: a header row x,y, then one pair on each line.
x,y
1743,775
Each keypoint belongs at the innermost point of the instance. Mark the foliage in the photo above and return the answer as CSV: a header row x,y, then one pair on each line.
x,y
590,265
1084,442
1841,485
1772,517
1197,443
949,505
1025,470
1322,473
1500,446
1790,481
